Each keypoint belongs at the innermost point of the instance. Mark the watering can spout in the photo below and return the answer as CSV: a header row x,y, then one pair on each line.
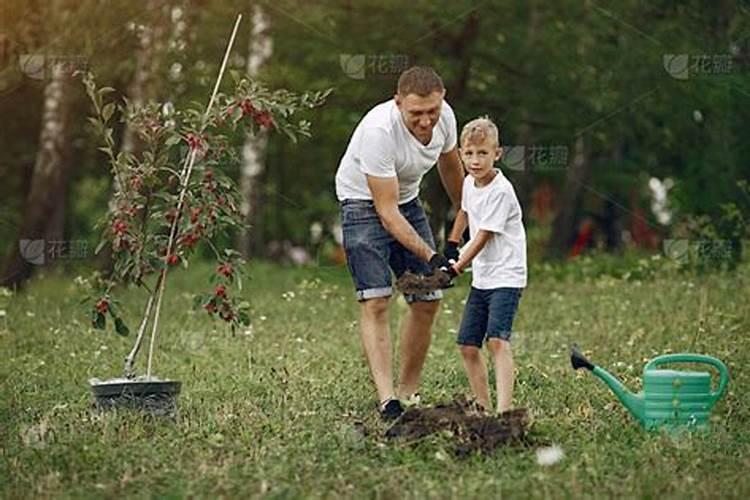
x,y
633,402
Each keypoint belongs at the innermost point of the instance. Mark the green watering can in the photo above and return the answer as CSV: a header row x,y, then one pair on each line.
x,y
670,398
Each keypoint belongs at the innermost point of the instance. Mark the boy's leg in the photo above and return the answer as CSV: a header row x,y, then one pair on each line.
x,y
416,334
502,355
476,370
503,304
470,338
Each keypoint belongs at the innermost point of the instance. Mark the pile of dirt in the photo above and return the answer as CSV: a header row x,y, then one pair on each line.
x,y
472,432
417,284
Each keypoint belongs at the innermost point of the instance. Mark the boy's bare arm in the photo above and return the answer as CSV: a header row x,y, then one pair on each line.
x,y
385,196
459,226
475,246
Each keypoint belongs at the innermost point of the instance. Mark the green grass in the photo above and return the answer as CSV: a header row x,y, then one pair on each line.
x,y
269,412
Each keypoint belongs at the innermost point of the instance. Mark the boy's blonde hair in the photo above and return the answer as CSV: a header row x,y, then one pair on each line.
x,y
479,129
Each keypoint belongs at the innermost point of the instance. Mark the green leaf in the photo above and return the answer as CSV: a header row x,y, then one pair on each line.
x,y
243,318
100,320
198,301
121,328
99,247
107,111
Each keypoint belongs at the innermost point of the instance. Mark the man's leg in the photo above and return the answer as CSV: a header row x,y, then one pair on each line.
x,y
376,340
476,371
416,334
502,355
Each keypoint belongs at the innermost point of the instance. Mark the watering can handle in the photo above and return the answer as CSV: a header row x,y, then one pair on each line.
x,y
695,358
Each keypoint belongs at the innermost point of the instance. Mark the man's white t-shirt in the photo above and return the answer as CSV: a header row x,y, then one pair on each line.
x,y
495,208
382,146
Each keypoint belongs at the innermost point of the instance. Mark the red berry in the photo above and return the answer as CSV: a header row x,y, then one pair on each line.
x,y
194,214
210,307
119,227
172,259
220,291
247,108
102,306
225,270
194,141
264,119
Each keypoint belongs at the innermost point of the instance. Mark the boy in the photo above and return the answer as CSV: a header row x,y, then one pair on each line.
x,y
498,251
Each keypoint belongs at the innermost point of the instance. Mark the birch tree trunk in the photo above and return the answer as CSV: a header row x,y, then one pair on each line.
x,y
254,147
45,204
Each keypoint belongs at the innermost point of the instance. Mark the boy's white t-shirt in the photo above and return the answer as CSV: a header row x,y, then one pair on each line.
x,y
382,146
495,208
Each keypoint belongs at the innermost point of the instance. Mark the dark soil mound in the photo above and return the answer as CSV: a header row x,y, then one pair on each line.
x,y
410,283
471,432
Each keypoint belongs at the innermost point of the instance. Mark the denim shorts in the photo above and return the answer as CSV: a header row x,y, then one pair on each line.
x,y
488,314
372,253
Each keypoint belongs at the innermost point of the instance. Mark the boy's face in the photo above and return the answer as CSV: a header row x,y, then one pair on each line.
x,y
420,114
479,158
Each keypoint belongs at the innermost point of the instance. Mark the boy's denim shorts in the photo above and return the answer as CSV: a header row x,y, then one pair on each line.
x,y
372,253
488,314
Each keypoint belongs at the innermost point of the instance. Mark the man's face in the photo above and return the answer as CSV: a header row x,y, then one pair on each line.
x,y
421,114
479,158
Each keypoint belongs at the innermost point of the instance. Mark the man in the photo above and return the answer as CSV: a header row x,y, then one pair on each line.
x,y
385,228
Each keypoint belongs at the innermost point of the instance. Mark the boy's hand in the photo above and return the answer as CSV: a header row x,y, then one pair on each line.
x,y
450,251
453,272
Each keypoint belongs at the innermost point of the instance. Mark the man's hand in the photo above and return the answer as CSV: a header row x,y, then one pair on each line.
x,y
439,262
450,250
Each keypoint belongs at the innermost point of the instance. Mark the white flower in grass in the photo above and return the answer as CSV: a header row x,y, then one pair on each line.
x,y
549,455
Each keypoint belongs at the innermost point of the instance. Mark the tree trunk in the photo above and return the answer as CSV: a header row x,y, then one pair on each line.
x,y
525,183
434,192
142,88
42,228
563,228
254,148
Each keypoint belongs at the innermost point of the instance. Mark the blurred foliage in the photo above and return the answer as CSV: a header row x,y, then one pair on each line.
x,y
546,72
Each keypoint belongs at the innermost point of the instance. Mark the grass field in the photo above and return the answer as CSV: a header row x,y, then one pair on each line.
x,y
270,411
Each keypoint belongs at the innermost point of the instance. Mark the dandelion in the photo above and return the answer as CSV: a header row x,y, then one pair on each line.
x,y
549,455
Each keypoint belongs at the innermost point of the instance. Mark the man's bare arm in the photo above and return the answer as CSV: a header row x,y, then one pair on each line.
x,y
385,196
475,246
451,172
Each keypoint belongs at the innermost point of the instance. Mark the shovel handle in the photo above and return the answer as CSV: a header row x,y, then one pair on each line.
x,y
695,358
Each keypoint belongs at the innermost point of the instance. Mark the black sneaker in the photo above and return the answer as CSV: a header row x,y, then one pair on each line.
x,y
391,410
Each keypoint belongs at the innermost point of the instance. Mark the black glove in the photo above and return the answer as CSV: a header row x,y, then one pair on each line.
x,y
450,250
440,262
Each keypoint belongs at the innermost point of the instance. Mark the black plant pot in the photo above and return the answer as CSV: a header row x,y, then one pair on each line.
x,y
157,397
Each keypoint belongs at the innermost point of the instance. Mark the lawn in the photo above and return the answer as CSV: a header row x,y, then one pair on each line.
x,y
271,411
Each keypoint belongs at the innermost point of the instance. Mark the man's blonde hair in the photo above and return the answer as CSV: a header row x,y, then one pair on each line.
x,y
479,129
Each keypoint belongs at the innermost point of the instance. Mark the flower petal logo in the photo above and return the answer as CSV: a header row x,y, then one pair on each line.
x,y
33,65
514,158
677,250
353,65
32,251
677,65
